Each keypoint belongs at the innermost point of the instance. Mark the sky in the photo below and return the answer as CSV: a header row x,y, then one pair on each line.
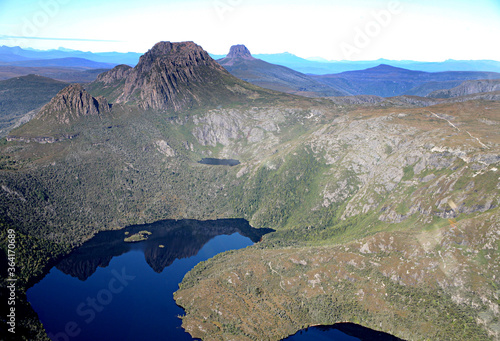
x,y
422,30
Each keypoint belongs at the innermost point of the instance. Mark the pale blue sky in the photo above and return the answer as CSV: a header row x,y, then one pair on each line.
x,y
426,30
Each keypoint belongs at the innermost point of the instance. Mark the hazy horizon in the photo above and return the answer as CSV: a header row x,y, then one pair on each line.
x,y
314,59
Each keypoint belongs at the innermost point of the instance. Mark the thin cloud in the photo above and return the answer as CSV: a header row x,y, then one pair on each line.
x,y
3,37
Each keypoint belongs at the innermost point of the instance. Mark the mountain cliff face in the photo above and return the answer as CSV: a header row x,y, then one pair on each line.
x,y
170,76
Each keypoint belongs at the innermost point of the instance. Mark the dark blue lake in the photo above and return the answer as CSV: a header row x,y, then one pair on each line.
x,y
109,289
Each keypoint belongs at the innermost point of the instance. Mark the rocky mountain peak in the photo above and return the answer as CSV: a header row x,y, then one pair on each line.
x,y
181,54
237,54
73,102
172,76
175,50
239,51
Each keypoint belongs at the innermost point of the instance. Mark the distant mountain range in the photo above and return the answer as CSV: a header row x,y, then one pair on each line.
x,y
171,83
387,81
14,54
73,62
68,66
382,80
320,68
316,66
65,74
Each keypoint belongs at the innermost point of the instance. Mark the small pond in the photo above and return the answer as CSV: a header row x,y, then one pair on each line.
x,y
219,162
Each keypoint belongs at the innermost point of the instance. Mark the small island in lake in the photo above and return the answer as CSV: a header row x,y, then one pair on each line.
x,y
137,237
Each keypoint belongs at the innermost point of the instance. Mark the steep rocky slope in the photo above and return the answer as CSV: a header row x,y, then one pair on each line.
x,y
468,88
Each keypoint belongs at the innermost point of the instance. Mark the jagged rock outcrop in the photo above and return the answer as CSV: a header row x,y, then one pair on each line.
x,y
372,100
487,96
71,103
41,139
356,100
468,88
411,101
118,73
